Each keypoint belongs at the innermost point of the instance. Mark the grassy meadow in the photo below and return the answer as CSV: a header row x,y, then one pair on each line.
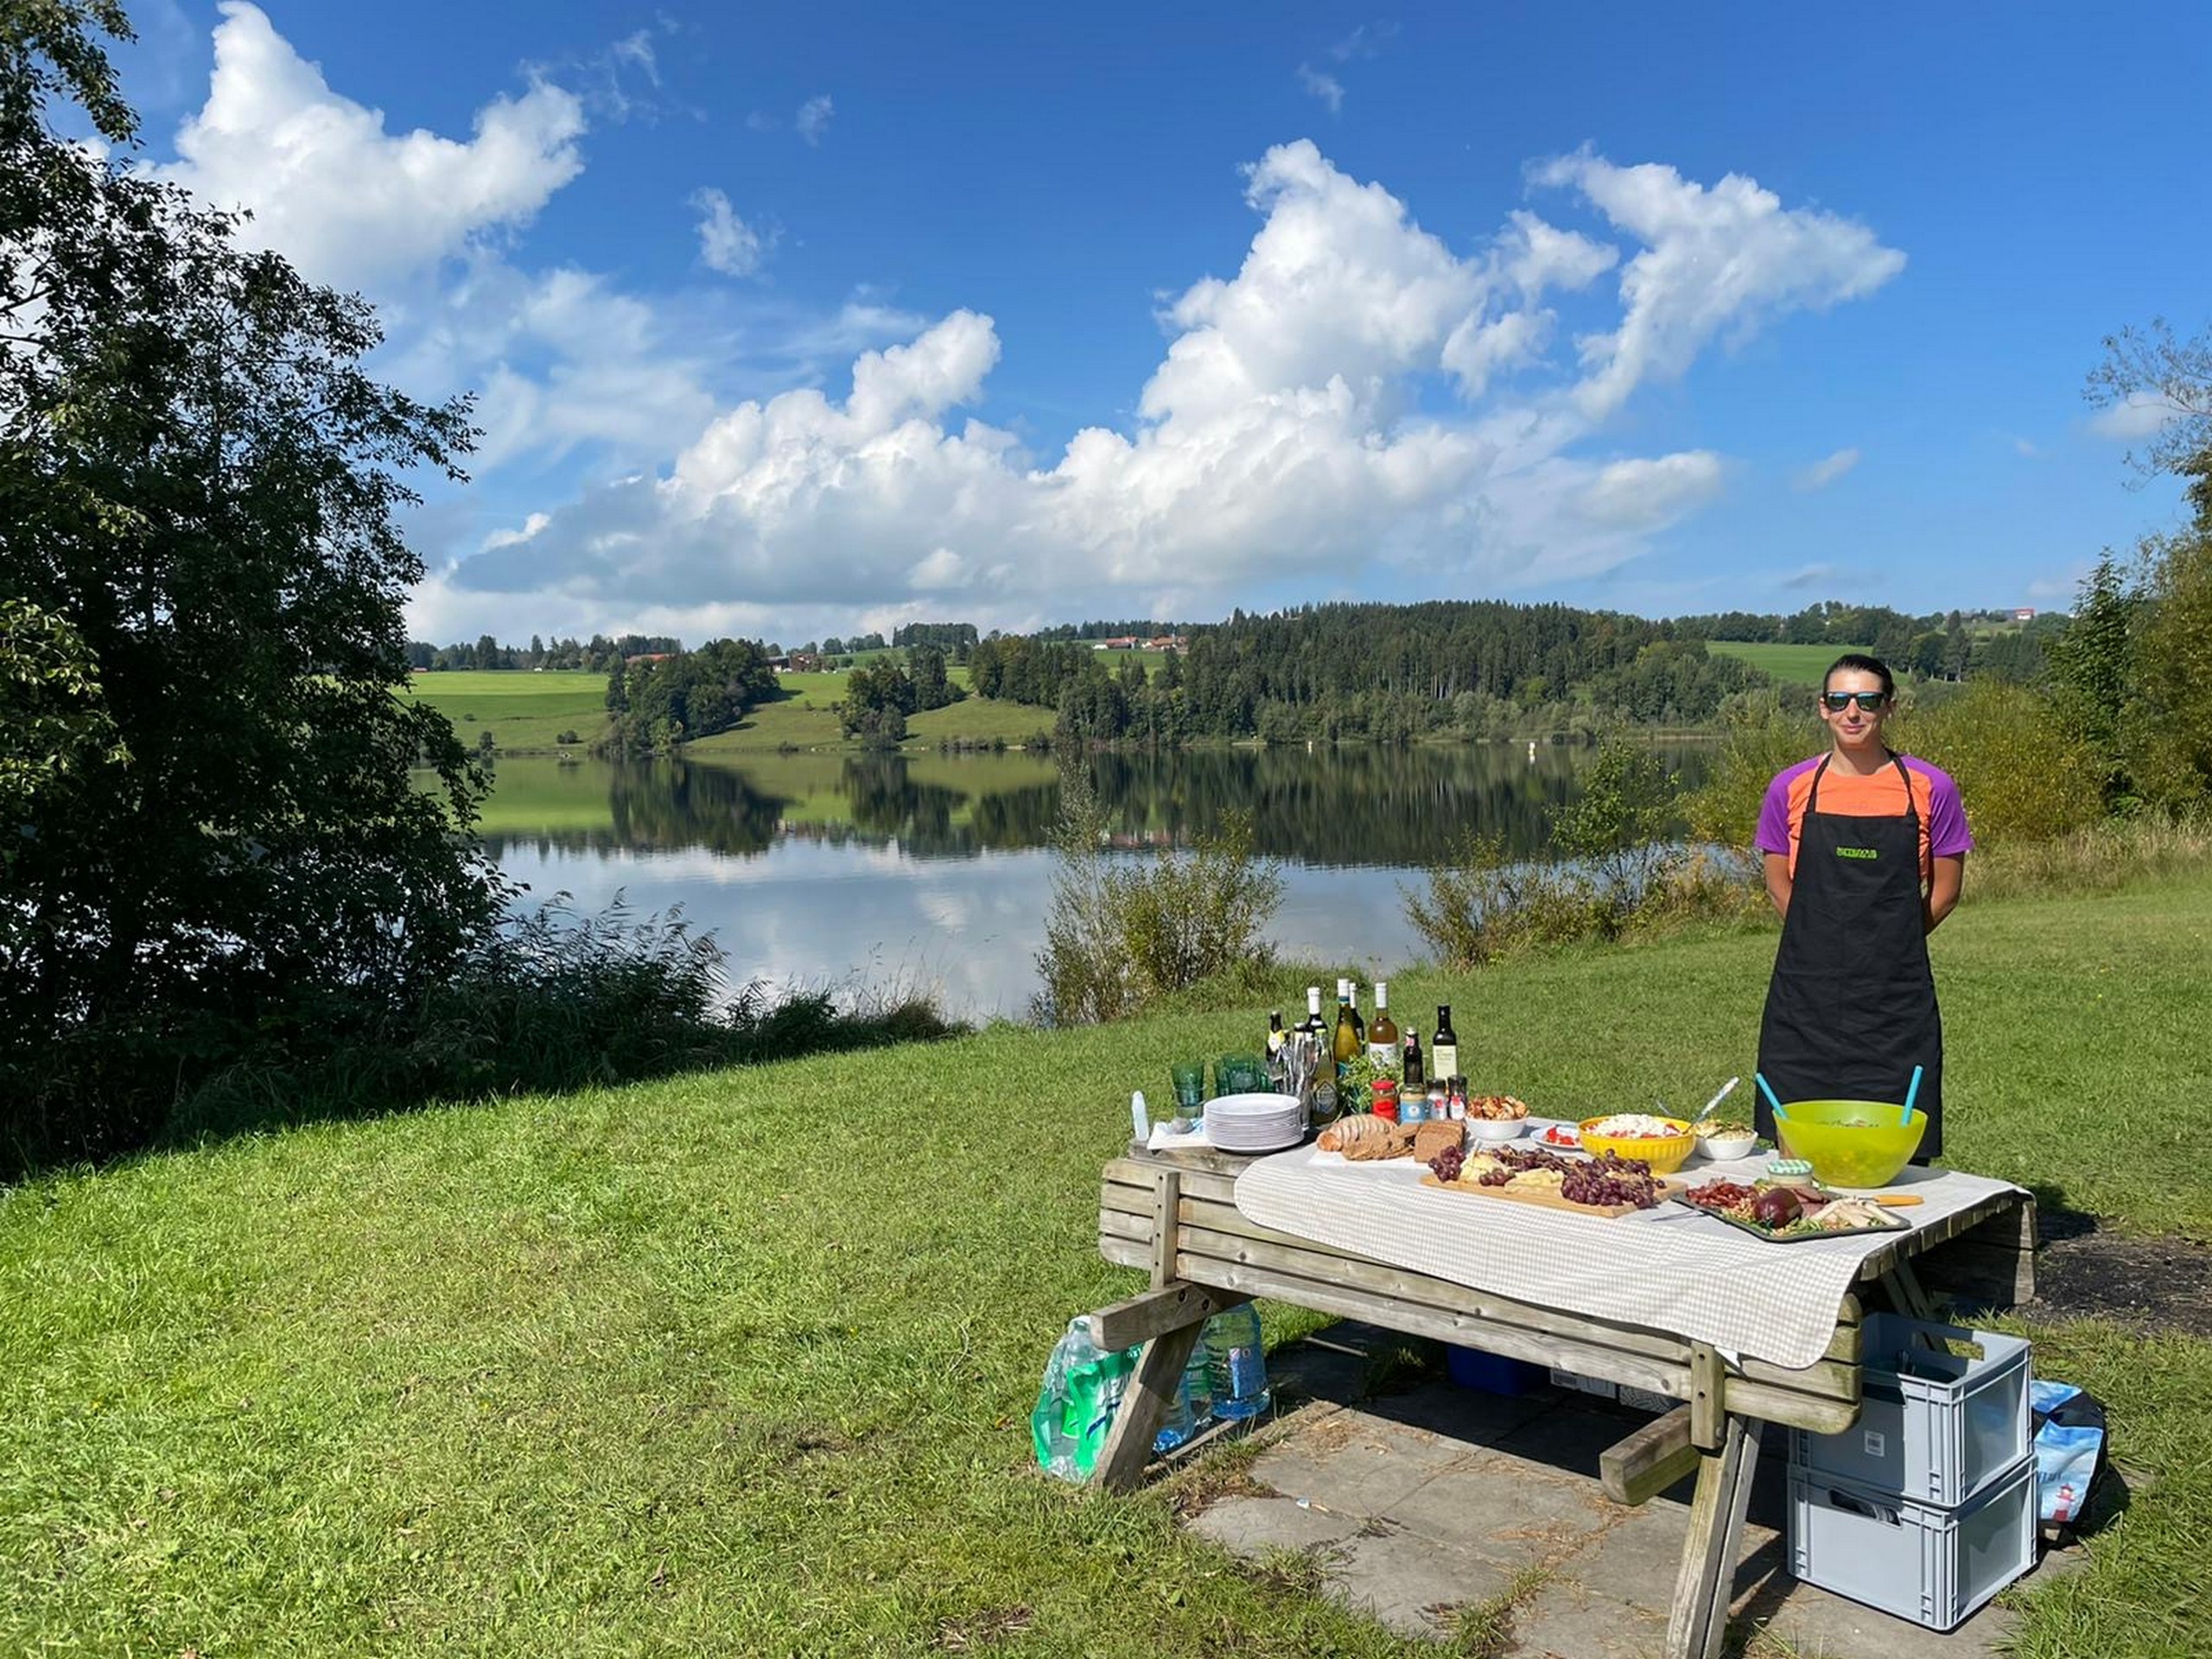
x,y
1790,664
524,711
742,1361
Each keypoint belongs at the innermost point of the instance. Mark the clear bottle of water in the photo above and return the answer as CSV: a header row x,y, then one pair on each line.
x,y
1237,1362
1192,1408
1082,1388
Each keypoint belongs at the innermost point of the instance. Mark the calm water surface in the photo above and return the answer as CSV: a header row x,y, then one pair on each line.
x,y
933,869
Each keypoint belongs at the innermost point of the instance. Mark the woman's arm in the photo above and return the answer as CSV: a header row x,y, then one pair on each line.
x,y
1778,882
1942,892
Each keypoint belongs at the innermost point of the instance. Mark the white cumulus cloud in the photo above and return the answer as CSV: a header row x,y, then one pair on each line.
x,y
1825,471
1285,430
1326,87
1731,256
347,201
727,243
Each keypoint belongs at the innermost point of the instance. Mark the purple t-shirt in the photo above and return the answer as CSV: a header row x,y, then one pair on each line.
x,y
1943,832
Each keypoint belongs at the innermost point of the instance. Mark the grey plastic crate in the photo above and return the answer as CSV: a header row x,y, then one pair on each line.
x,y
1929,1565
1932,1426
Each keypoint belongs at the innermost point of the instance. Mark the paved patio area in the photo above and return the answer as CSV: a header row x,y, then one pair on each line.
x,y
1436,1504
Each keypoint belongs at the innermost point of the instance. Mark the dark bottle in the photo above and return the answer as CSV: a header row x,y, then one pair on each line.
x,y
1274,1033
1443,1044
1411,1075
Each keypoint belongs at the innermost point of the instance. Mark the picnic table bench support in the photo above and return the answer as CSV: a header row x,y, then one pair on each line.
x,y
1170,1318
1707,1575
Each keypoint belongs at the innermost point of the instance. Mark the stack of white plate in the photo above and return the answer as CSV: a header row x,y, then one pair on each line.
x,y
1255,1122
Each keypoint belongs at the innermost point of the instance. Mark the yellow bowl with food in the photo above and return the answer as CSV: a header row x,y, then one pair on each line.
x,y
1665,1143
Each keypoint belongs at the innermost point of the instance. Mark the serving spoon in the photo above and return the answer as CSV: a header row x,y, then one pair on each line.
x,y
1716,1100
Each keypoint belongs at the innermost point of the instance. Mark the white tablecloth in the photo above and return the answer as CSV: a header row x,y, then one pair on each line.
x,y
1668,1268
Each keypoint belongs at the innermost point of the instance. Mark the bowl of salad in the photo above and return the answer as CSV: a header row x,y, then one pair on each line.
x,y
1664,1143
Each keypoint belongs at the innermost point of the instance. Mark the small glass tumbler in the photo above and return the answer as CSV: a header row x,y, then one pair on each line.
x,y
1189,1078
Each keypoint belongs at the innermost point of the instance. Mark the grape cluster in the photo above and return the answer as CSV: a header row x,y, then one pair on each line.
x,y
1611,1179
1513,1160
1447,1164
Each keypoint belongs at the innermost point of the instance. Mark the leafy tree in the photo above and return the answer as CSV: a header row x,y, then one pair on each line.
x,y
200,488
2174,663
933,687
2149,366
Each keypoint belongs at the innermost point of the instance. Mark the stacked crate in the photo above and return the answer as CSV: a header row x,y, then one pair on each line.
x,y
1926,1507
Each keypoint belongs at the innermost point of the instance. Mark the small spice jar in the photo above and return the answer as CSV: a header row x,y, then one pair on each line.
x,y
1439,1105
1383,1099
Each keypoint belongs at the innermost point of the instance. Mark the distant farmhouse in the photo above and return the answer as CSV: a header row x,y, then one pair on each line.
x,y
1130,642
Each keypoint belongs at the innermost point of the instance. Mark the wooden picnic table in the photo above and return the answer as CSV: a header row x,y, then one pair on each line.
x,y
1174,1215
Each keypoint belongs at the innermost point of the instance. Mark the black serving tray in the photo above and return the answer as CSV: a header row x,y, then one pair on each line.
x,y
1759,1232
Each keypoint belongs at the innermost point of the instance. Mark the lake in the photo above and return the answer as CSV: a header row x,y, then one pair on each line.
x,y
933,870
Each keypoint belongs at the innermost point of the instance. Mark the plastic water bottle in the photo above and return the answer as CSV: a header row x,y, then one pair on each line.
x,y
1193,1405
1237,1362
1082,1388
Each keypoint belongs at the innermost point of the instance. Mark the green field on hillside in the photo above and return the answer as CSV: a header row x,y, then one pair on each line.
x,y
1791,664
522,709
693,1367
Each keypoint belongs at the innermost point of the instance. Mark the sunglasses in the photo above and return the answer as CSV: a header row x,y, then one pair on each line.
x,y
1871,701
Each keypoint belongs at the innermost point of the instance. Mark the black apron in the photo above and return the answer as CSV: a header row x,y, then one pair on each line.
x,y
1852,1008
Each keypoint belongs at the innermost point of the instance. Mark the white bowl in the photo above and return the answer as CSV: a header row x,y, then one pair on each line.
x,y
1721,1148
1496,1131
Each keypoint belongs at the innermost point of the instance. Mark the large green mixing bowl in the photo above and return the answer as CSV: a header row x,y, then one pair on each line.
x,y
1851,1142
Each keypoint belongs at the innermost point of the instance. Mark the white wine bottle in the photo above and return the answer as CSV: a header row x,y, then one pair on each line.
x,y
1444,1046
1382,1033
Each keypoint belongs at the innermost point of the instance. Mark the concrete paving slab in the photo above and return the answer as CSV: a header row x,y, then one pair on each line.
x,y
1250,1527
1506,1508
1410,1520
1411,1583
1353,1462
1472,1416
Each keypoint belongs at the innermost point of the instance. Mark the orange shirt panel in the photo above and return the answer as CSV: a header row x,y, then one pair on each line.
x,y
1850,796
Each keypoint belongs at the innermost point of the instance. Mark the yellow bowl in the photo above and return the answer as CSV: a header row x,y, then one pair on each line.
x,y
1850,1142
1665,1154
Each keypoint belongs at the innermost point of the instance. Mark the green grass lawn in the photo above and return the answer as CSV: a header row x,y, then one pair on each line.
x,y
741,1363
524,711
1791,664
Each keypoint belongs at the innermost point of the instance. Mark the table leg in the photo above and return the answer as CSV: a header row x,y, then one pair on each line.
x,y
1709,1569
1906,1293
1151,1392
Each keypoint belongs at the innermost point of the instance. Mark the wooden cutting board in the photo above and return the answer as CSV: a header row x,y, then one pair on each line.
x,y
1548,1198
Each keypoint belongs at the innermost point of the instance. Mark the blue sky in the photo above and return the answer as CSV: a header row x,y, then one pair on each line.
x,y
793,319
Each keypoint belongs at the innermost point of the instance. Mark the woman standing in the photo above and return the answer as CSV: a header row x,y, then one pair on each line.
x,y
1865,850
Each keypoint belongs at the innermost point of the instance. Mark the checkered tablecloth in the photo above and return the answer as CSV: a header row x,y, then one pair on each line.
x,y
1668,1269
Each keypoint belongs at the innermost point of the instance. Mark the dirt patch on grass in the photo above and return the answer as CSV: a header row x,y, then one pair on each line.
x,y
2157,1283
985,1628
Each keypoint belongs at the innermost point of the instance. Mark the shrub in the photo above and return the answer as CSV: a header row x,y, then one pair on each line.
x,y
569,737
2022,776
552,1002
1481,905
1120,935
1761,740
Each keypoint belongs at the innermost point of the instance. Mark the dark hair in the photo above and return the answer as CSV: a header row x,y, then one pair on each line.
x,y
1857,661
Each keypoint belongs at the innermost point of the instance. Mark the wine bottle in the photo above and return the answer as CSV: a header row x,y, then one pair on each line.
x,y
1348,1046
1274,1033
1312,1025
1412,1075
1443,1044
1358,1025
1382,1035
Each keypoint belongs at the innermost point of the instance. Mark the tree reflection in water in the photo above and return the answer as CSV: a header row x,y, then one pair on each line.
x,y
1328,806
